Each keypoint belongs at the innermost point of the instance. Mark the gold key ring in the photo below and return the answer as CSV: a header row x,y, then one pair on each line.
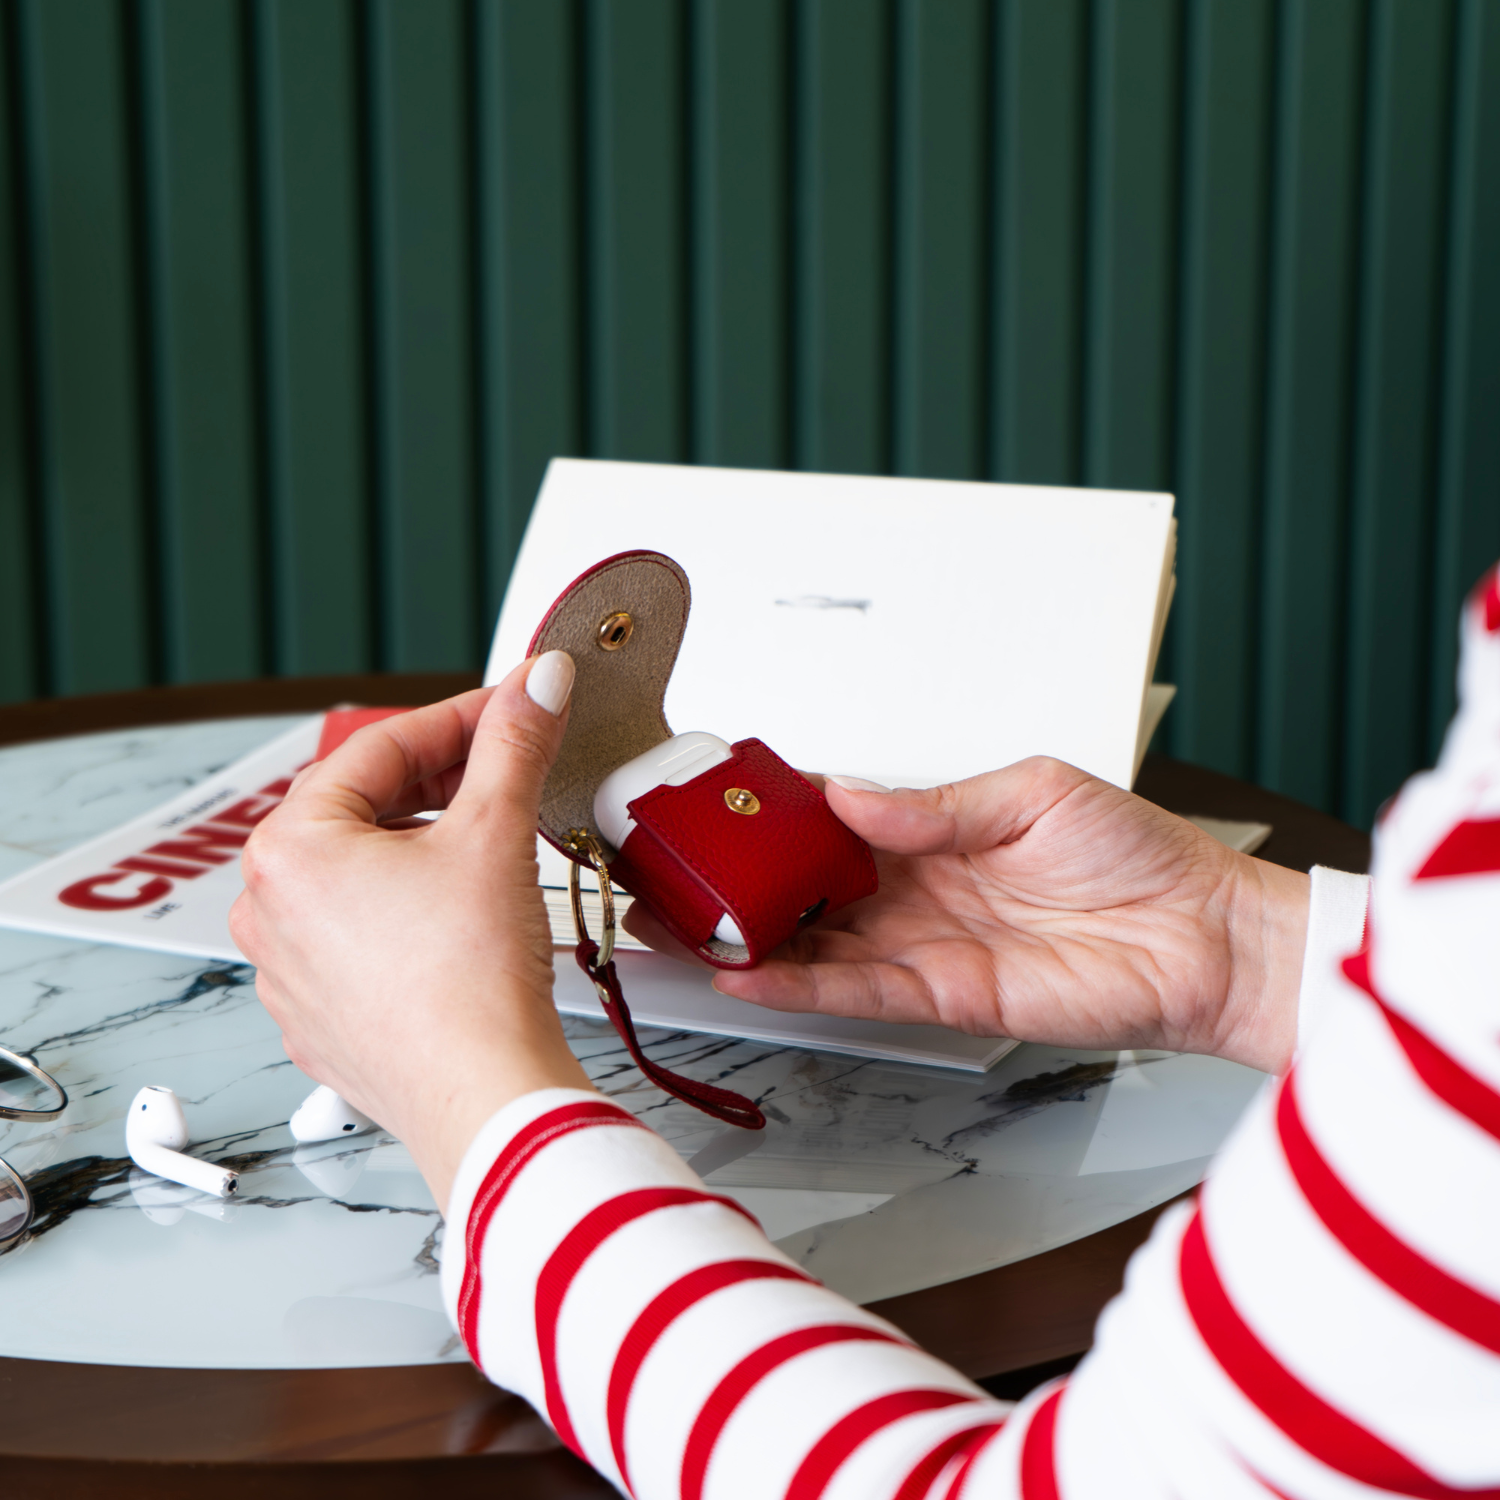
x,y
583,842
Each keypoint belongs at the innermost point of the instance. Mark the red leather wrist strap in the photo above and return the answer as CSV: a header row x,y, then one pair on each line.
x,y
722,1104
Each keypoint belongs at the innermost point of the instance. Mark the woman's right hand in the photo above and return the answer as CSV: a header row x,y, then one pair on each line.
x,y
1041,903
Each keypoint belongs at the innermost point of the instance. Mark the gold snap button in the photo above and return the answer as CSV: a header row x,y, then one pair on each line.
x,y
615,630
738,799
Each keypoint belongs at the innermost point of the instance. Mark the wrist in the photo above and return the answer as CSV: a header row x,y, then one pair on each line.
x,y
1267,932
523,1051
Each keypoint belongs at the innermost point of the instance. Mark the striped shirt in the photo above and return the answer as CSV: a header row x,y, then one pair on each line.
x,y
1324,1324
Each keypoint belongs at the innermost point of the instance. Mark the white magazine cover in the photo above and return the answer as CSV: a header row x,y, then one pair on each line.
x,y
165,880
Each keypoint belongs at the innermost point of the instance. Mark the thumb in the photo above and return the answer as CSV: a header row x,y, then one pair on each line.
x,y
515,742
963,817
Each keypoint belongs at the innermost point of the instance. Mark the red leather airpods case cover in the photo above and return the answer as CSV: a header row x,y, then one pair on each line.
x,y
749,837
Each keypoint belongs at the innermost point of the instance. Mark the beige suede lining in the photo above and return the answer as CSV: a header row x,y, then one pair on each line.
x,y
617,700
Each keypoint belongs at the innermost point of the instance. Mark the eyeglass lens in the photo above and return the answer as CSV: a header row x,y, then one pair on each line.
x,y
15,1204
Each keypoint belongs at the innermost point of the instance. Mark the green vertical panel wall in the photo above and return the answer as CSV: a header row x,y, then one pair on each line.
x,y
1467,535
1135,84
739,192
99,544
1391,495
309,197
939,282
196,210
1313,270
527,213
636,227
21,671
298,297
418,228
1040,136
841,235
1221,343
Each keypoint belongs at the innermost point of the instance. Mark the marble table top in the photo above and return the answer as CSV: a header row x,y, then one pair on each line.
x,y
879,1177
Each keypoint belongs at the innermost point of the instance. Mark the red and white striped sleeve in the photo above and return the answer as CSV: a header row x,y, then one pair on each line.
x,y
1323,1325
663,1336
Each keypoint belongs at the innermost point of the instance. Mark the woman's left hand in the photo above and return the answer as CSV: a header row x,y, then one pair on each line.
x,y
409,963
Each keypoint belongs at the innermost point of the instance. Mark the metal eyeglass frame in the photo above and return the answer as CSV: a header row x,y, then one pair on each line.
x,y
8,1174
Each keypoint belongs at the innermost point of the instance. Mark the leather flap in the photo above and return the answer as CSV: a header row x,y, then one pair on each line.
x,y
617,694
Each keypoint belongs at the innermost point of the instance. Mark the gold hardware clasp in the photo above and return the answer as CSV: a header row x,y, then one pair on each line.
x,y
615,630
741,800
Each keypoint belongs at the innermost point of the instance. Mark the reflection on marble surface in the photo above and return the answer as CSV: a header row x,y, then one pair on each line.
x,y
57,793
879,1177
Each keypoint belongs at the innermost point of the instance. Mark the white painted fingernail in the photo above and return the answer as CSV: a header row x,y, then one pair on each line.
x,y
857,784
550,681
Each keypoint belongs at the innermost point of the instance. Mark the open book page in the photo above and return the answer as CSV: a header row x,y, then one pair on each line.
x,y
920,630
1159,696
1165,593
1156,697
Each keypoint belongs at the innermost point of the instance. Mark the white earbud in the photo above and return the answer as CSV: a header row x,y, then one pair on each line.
x,y
671,763
674,762
323,1116
155,1133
